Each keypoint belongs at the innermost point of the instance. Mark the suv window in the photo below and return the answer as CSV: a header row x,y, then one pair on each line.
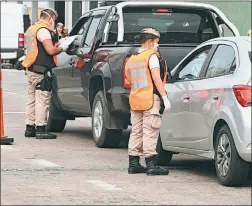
x,y
80,29
92,31
84,27
175,25
112,36
222,61
193,65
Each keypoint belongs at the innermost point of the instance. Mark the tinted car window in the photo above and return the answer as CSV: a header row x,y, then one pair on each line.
x,y
92,31
193,68
175,25
112,37
221,62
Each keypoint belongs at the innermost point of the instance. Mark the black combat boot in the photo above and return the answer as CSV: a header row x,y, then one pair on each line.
x,y
134,165
42,134
153,169
30,131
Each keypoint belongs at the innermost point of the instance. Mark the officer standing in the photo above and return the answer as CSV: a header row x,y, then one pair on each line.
x,y
41,57
146,73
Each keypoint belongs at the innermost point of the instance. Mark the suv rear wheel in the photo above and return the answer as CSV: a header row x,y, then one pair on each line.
x,y
102,136
231,170
53,124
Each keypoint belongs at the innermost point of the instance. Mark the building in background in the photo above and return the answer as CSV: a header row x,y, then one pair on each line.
x,y
68,11
238,12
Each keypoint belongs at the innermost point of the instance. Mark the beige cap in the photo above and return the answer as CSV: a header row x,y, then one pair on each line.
x,y
150,31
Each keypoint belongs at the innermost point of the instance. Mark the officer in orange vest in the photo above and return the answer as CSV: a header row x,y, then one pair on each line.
x,y
40,58
146,72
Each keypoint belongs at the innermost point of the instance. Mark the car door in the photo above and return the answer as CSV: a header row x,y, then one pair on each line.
x,y
206,93
176,124
67,61
82,69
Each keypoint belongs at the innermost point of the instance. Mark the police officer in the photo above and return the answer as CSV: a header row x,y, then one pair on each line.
x,y
41,57
146,72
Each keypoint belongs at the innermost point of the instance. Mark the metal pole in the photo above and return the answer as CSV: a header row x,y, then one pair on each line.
x,y
34,11
51,4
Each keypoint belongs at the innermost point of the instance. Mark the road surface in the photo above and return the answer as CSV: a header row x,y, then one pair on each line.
x,y
71,170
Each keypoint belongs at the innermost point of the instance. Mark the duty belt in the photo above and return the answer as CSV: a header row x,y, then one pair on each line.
x,y
38,69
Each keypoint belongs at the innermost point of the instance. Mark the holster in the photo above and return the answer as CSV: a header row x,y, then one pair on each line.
x,y
46,83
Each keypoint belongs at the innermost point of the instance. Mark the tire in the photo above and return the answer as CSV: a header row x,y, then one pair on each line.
x,y
164,157
237,172
103,137
54,125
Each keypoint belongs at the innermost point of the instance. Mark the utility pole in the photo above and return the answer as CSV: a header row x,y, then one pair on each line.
x,y
34,12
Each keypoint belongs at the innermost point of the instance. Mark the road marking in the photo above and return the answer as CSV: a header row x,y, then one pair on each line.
x,y
15,93
46,163
5,147
103,185
11,81
10,70
14,112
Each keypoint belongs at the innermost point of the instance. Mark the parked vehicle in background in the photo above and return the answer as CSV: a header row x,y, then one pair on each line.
x,y
210,116
14,22
90,79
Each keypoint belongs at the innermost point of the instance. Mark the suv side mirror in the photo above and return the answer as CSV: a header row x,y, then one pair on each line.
x,y
72,49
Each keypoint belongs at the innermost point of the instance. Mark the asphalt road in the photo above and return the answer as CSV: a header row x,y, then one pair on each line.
x,y
71,170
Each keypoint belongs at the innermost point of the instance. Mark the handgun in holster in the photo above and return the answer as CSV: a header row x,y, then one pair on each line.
x,y
46,83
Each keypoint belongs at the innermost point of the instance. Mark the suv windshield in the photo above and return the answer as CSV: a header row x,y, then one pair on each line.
x,y
175,25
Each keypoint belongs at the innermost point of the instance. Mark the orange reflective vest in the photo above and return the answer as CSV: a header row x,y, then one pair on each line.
x,y
139,76
30,40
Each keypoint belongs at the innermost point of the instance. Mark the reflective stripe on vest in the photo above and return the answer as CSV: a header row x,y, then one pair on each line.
x,y
30,42
138,76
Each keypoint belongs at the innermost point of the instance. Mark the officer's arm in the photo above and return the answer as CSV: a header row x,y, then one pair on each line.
x,y
44,36
50,48
155,73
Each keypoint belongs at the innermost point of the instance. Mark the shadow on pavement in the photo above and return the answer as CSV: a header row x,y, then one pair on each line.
x,y
86,133
201,167
191,164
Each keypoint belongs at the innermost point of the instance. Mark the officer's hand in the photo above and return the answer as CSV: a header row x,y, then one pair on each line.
x,y
167,103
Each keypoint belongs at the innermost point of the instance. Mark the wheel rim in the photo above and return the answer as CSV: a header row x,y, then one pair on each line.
x,y
98,121
223,155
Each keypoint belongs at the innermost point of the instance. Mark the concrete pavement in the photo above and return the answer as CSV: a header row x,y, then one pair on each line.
x,y
71,170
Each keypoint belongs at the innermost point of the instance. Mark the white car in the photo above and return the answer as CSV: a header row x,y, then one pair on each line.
x,y
210,116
